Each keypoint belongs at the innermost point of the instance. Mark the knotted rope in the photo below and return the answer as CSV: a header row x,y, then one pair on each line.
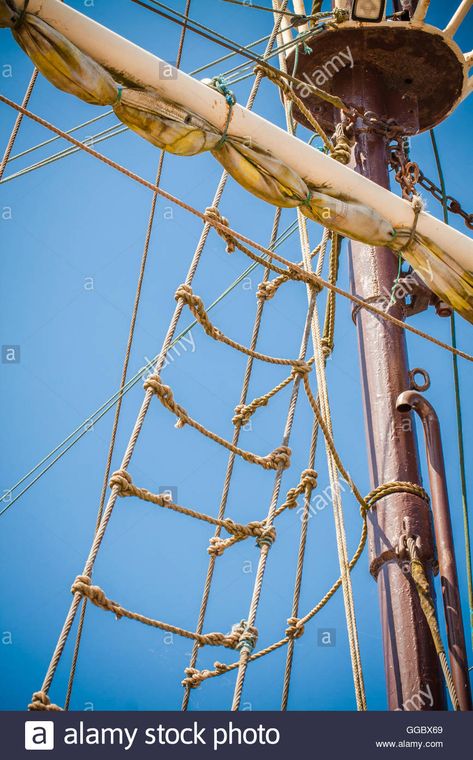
x,y
213,215
295,628
185,293
341,151
83,586
121,480
280,458
306,485
41,701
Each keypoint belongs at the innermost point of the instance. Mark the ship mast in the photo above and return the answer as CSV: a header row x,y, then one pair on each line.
x,y
369,83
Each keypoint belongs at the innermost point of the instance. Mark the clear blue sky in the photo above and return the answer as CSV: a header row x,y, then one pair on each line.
x,y
77,219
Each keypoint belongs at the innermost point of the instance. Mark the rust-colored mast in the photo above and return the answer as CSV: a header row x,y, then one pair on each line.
x,y
411,662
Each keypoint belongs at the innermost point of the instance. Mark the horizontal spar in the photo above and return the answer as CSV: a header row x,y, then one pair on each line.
x,y
134,64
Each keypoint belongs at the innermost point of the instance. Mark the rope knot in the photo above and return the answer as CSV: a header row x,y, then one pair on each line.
x,y
265,536
242,415
217,546
327,347
300,369
185,292
83,586
295,628
309,479
248,637
214,216
41,701
266,290
279,459
164,393
194,678
341,151
121,479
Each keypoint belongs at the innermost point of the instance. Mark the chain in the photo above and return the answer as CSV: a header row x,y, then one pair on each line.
x,y
407,171
408,175
451,203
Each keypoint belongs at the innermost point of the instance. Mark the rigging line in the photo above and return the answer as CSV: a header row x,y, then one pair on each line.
x,y
296,270
252,5
277,50
458,405
246,651
17,124
243,395
305,517
111,111
100,137
19,119
113,131
326,416
107,514
54,139
99,413
126,361
229,469
190,21
334,100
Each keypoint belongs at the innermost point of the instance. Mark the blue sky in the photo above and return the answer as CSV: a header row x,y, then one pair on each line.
x,y
70,259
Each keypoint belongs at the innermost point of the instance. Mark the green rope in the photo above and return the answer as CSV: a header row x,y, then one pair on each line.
x,y
220,84
456,381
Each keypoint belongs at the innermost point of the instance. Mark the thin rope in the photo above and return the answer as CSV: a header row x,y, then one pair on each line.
x,y
296,272
229,471
126,362
325,415
17,124
245,651
99,413
295,631
63,637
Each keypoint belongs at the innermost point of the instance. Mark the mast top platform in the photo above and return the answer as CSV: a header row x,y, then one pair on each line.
x,y
422,71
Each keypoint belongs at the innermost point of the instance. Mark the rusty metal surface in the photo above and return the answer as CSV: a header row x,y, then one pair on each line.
x,y
421,86
411,663
444,539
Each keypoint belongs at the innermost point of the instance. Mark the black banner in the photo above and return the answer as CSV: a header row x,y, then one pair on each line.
x,y
233,735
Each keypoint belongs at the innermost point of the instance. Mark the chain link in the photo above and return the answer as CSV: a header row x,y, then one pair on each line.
x,y
451,203
408,175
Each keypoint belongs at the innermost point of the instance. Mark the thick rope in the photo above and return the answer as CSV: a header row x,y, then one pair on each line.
x,y
196,677
122,481
197,308
325,414
279,459
83,586
428,607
